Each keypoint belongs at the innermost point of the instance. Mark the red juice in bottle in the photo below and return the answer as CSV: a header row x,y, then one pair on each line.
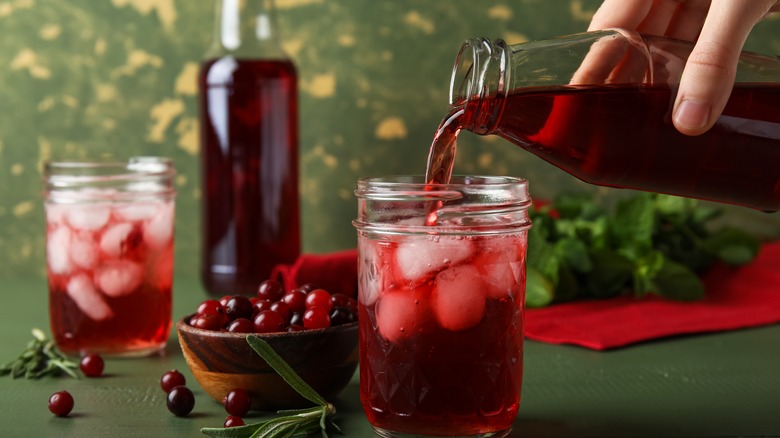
x,y
250,171
624,137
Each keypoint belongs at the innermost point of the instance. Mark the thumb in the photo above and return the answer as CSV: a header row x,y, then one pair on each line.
x,y
709,74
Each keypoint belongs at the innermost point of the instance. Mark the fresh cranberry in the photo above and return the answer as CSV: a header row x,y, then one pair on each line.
x,y
341,300
207,322
319,298
92,365
260,305
283,310
238,402
268,321
210,307
295,300
341,315
61,403
296,319
180,401
172,379
308,287
225,299
233,421
295,328
270,290
238,307
316,318
241,325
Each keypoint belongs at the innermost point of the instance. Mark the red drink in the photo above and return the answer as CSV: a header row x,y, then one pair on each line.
x,y
441,305
622,136
250,171
110,264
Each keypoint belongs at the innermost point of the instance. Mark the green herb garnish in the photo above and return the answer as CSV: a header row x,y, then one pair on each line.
x,y
651,243
40,358
294,422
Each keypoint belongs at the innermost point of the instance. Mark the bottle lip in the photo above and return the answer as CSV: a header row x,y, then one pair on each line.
x,y
474,64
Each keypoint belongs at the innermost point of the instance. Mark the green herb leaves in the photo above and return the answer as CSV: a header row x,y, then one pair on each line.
x,y
40,358
295,422
651,243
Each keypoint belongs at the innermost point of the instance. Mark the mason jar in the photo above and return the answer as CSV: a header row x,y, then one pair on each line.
x,y
109,254
441,271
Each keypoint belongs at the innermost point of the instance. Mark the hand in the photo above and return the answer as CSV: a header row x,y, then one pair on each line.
x,y
719,29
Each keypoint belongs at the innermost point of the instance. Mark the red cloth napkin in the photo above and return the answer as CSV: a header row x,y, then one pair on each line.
x,y
335,272
736,298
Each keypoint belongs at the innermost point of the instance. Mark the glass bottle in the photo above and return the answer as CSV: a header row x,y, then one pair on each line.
x,y
598,105
249,123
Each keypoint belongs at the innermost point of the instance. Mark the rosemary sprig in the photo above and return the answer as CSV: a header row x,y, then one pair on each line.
x,y
292,423
40,358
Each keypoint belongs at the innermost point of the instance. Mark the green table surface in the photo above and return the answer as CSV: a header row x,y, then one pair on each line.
x,y
714,385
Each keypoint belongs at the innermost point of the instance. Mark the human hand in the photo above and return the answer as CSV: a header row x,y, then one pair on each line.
x,y
719,29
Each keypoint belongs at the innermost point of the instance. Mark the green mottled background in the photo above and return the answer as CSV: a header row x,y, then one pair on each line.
x,y
81,79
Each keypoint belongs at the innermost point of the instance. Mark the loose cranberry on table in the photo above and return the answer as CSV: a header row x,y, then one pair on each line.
x,y
61,403
233,421
92,365
172,379
238,402
180,401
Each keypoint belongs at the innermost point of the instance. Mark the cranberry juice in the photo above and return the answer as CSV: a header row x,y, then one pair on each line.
x,y
110,271
622,136
249,171
441,332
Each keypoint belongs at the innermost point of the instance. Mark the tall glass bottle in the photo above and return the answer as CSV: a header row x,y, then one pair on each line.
x,y
249,150
598,105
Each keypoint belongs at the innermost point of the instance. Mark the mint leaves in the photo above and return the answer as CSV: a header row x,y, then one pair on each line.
x,y
293,422
649,243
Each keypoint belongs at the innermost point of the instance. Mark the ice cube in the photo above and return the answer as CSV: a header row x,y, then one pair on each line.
x,y
458,298
119,239
83,251
87,298
88,217
55,214
137,211
501,265
419,257
119,277
57,249
368,282
158,231
401,312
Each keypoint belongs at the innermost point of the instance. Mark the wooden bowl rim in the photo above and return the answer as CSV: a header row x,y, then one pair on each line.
x,y
183,325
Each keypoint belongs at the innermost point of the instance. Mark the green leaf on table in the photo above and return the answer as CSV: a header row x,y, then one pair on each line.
x,y
610,275
678,282
574,253
634,221
539,291
733,246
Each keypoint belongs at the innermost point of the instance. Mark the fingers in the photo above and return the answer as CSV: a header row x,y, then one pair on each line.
x,y
620,13
709,73
659,16
688,19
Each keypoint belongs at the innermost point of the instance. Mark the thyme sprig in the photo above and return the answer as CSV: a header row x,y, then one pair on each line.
x,y
293,422
41,358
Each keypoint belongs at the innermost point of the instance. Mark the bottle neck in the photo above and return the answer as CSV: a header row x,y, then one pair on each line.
x,y
479,83
246,29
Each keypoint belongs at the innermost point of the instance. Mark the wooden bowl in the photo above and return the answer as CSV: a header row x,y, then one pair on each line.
x,y
221,361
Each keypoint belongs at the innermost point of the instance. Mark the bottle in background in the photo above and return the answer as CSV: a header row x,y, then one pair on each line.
x,y
249,123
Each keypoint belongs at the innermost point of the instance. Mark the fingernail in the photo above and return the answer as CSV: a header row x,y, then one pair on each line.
x,y
692,114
